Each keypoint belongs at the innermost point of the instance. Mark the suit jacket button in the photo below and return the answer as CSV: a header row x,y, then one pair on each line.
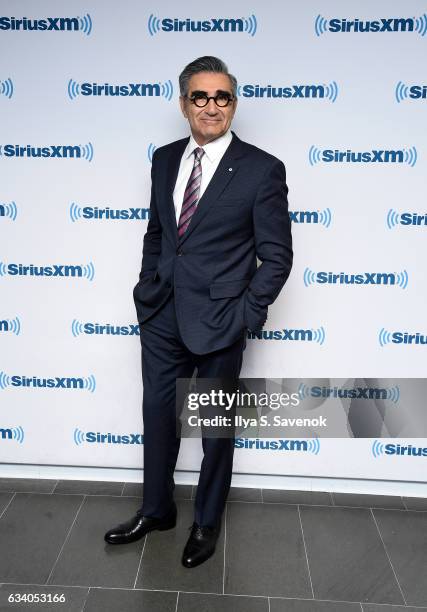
x,y
179,252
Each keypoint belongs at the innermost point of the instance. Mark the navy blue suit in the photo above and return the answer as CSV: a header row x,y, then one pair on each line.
x,y
196,297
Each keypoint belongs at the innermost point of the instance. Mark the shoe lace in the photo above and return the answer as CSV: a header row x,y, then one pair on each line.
x,y
198,528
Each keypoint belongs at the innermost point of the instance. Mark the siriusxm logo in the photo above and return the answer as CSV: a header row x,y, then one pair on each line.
x,y
295,335
48,24
52,151
128,90
91,329
15,434
12,326
6,88
400,337
9,211
319,92
379,449
407,218
412,92
17,269
93,437
85,383
399,279
94,213
322,217
384,24
380,156
306,446
374,393
247,25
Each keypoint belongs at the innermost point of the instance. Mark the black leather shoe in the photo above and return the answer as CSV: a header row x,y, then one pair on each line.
x,y
138,526
200,545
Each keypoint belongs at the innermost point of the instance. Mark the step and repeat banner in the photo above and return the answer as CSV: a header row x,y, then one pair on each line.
x,y
88,91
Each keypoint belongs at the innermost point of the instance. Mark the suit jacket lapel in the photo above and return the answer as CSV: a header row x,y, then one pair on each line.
x,y
171,176
226,170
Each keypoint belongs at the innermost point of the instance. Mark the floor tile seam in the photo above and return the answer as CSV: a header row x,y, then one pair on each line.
x,y
232,501
407,509
229,501
221,594
103,588
334,601
7,506
389,605
329,506
244,501
278,503
101,495
28,491
193,593
305,550
388,557
375,508
284,503
85,599
86,494
398,510
140,560
66,540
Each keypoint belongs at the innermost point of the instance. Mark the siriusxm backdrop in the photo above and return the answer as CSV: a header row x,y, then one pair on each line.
x,y
88,90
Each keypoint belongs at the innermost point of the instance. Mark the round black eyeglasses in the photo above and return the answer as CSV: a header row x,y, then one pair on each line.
x,y
202,100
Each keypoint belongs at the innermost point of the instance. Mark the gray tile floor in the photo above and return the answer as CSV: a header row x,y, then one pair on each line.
x,y
279,551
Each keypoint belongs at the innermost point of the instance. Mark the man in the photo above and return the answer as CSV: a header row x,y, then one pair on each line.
x,y
217,204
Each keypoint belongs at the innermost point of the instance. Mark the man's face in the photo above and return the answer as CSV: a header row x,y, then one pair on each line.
x,y
211,121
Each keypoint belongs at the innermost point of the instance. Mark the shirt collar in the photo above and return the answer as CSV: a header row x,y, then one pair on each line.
x,y
213,149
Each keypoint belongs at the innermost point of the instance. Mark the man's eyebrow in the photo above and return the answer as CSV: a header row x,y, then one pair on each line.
x,y
205,93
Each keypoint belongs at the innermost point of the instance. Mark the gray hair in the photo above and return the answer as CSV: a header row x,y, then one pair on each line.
x,y
207,63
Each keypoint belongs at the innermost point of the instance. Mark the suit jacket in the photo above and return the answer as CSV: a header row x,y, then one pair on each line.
x,y
212,269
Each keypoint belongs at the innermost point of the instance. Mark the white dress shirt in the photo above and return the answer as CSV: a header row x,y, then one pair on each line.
x,y
213,153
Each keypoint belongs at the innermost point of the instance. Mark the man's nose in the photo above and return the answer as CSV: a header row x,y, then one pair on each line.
x,y
211,107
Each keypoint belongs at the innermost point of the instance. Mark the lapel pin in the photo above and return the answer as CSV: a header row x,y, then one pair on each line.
x,y
230,169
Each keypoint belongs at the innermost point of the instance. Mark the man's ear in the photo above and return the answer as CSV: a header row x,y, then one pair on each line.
x,y
182,105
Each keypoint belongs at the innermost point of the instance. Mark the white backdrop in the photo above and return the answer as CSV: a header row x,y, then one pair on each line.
x,y
352,92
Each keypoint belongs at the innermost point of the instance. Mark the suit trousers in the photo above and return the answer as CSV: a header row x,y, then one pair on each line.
x,y
164,359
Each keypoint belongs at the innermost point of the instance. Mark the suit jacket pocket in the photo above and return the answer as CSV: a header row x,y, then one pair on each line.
x,y
228,289
149,291
150,275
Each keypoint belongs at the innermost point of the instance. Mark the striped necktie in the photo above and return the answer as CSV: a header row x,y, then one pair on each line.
x,y
191,195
